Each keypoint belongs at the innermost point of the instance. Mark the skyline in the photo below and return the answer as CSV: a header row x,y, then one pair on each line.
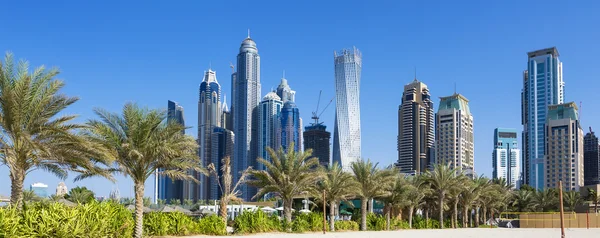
x,y
489,45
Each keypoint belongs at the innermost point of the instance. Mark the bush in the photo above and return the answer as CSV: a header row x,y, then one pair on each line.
x,y
212,225
172,223
346,226
304,222
44,219
375,222
419,222
397,224
256,222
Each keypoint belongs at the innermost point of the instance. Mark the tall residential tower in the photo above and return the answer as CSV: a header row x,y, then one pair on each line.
x,y
245,90
505,157
269,131
591,159
415,129
178,189
209,117
543,86
346,130
454,134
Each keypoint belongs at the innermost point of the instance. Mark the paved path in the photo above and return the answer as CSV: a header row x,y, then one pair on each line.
x,y
446,233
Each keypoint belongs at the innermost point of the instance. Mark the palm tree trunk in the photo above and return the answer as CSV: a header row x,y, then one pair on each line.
x,y
427,218
410,215
16,188
287,210
441,208
332,215
465,217
223,209
139,209
388,210
455,215
363,212
477,216
484,214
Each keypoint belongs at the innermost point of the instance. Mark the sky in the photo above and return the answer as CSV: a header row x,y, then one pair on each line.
x,y
114,52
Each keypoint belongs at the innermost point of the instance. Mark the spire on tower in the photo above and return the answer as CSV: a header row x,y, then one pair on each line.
x,y
283,73
248,33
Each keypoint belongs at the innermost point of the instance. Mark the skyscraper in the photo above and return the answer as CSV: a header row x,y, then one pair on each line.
x,y
415,129
269,131
505,157
291,127
39,189
61,189
542,88
245,90
316,137
591,159
222,146
226,119
525,133
209,116
454,134
167,189
285,92
564,147
346,130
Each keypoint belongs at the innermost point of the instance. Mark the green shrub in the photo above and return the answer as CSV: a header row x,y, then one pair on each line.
x,y
304,222
346,226
397,224
212,225
256,222
375,222
419,222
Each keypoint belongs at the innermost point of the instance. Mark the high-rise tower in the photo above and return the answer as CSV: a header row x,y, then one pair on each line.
x,y
178,189
269,134
454,134
543,87
415,129
564,143
291,127
245,90
209,116
285,92
346,130
505,157
316,137
591,159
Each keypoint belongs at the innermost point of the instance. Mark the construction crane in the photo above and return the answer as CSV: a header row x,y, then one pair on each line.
x,y
316,115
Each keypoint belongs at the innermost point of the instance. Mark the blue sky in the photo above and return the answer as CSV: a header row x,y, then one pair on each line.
x,y
113,52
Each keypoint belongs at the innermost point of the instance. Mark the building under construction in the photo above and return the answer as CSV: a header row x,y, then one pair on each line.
x,y
316,137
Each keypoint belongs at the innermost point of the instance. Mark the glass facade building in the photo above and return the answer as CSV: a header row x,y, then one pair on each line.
x,y
591,159
166,188
346,130
39,189
316,137
269,115
209,117
543,87
222,146
246,95
291,127
506,156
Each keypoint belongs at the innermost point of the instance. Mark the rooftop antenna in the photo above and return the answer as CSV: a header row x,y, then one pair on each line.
x,y
232,68
210,65
454,87
248,33
284,73
415,72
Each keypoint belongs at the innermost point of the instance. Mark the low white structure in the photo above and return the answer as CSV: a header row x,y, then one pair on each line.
x,y
232,210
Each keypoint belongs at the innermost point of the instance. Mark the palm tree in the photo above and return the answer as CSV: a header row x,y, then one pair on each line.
x,y
338,186
455,195
80,195
34,134
572,199
442,179
142,141
229,190
523,200
287,175
594,198
30,196
545,200
371,183
396,196
415,195
188,203
174,202
160,202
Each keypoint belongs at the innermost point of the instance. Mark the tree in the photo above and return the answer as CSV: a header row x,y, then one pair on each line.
x,y
572,199
338,186
35,134
30,196
175,202
395,197
417,191
229,190
594,198
523,200
142,141
147,201
188,203
442,179
455,195
545,200
287,175
371,182
160,202
80,195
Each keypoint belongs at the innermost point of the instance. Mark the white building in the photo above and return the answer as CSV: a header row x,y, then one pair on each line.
x,y
506,158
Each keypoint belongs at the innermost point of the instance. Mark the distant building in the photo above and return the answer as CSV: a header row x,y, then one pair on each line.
x,y
317,138
269,129
40,189
167,188
226,119
454,134
543,86
415,129
285,92
346,130
209,117
506,156
591,159
61,189
291,127
222,146
115,195
564,143
246,95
